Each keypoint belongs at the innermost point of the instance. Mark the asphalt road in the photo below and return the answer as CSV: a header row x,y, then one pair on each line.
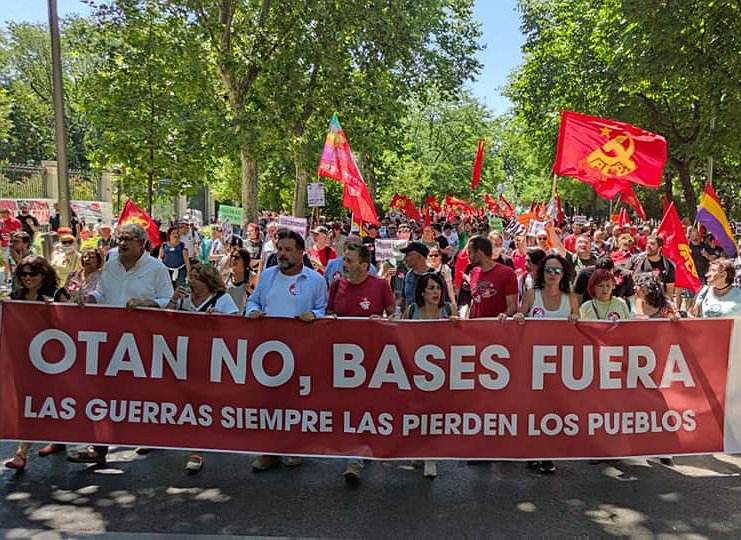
x,y
153,496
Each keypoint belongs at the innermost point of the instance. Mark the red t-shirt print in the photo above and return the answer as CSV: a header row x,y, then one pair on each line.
x,y
489,290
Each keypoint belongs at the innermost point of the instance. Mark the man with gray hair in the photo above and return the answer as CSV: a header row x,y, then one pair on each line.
x,y
133,279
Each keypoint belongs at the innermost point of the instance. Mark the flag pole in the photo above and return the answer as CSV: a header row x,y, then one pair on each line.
x,y
553,188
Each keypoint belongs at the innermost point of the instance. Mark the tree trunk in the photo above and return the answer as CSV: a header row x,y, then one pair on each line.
x,y
370,176
683,167
299,190
250,201
668,182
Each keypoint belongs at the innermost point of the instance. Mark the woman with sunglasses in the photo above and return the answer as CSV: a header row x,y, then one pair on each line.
x,y
435,261
550,298
429,304
38,283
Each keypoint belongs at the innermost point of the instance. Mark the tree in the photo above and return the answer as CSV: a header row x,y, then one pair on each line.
x,y
150,99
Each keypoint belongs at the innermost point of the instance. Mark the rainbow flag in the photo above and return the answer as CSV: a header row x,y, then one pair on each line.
x,y
710,213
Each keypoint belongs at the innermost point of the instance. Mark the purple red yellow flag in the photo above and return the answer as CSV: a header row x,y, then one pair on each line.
x,y
338,163
710,213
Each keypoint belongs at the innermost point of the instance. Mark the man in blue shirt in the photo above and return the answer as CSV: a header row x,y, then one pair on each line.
x,y
292,290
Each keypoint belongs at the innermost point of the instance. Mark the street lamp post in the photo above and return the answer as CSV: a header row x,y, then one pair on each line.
x,y
60,130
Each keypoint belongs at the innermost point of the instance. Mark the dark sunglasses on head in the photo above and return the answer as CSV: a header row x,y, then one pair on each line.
x,y
553,270
29,273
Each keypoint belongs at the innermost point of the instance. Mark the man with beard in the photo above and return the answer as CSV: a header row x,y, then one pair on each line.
x,y
334,271
493,285
290,290
358,294
652,260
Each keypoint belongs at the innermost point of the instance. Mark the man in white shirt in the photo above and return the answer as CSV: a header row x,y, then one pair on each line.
x,y
189,238
290,290
133,279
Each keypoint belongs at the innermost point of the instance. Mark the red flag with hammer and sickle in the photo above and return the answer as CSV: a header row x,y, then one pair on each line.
x,y
608,154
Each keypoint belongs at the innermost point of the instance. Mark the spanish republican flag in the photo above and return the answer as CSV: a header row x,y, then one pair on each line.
x,y
710,213
678,250
608,154
133,214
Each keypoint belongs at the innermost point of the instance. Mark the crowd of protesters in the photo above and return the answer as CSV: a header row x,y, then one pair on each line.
x,y
443,268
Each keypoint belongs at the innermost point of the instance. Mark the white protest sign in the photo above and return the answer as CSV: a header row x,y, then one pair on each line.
x,y
384,249
534,227
737,230
580,220
315,193
292,223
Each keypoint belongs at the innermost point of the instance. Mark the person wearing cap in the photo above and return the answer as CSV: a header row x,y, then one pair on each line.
x,y
105,239
320,252
66,258
29,223
415,258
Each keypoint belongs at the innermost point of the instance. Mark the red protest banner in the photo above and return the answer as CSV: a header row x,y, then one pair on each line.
x,y
464,389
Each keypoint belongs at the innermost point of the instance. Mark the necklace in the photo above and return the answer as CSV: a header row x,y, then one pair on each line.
x,y
717,290
596,311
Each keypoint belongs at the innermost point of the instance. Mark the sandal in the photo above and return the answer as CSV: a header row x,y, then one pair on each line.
x,y
87,456
194,464
50,449
18,463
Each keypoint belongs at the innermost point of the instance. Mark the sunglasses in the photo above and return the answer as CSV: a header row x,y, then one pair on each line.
x,y
30,273
125,238
437,255
553,270
67,242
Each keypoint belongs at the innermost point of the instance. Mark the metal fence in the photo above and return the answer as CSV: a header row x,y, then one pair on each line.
x,y
22,182
30,182
84,185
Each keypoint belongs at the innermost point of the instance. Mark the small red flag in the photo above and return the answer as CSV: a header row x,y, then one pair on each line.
x,y
629,197
492,204
405,205
678,251
432,203
508,211
608,154
428,219
133,214
623,219
476,176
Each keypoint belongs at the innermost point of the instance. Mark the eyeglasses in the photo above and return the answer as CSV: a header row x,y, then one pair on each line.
x,y
125,238
30,273
553,270
67,242
542,238
436,255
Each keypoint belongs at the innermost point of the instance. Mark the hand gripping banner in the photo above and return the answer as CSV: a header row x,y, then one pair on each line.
x,y
369,388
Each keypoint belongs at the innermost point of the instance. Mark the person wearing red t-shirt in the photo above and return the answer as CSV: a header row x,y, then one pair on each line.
x,y
493,285
8,225
358,294
320,252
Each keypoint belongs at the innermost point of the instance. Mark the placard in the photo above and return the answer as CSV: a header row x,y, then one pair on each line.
x,y
293,223
234,214
315,193
496,224
580,220
384,249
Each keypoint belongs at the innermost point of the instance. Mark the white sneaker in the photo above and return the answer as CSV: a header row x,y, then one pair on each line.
x,y
195,464
430,470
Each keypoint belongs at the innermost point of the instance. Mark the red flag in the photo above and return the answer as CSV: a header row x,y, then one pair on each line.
x,y
678,251
629,197
432,203
508,211
608,154
405,205
428,219
623,219
133,214
338,163
476,176
561,216
492,204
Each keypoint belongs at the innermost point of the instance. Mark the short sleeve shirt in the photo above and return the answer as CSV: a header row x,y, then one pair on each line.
x,y
489,290
360,300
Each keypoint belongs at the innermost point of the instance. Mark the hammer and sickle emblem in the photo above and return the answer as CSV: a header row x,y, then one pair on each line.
x,y
614,158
